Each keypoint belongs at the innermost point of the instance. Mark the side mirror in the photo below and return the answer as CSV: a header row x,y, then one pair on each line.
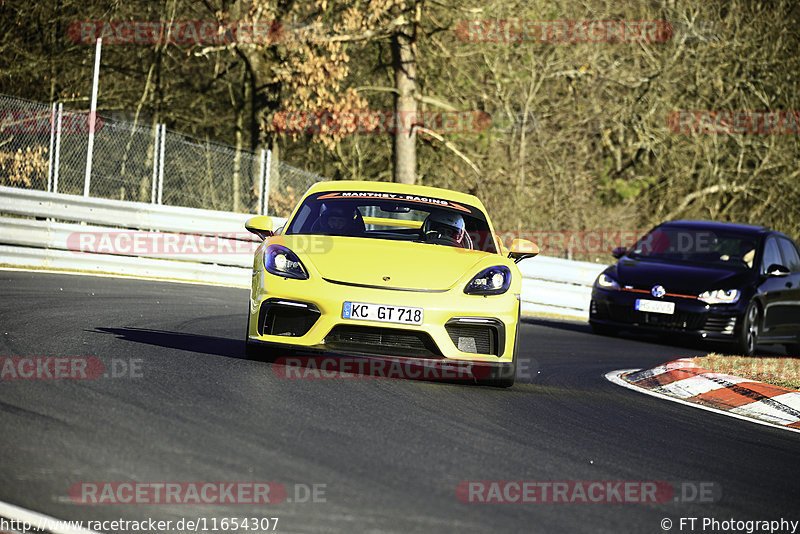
x,y
619,252
261,226
778,270
521,249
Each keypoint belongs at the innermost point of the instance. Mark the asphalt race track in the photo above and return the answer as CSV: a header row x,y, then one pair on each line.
x,y
388,454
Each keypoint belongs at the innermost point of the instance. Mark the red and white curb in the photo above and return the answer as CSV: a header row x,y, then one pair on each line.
x,y
682,381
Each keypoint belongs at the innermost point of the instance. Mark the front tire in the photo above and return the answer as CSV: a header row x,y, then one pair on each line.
x,y
504,376
252,350
751,330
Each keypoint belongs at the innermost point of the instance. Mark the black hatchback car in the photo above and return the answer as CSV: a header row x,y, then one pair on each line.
x,y
709,280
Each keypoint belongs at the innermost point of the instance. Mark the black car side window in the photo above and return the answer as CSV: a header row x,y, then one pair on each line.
x,y
771,255
790,254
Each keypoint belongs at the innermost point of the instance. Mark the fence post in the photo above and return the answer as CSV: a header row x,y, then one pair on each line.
x,y
161,163
57,155
92,119
52,142
155,164
266,166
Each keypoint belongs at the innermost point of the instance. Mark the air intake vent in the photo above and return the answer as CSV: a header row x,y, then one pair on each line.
x,y
382,341
286,318
721,325
477,339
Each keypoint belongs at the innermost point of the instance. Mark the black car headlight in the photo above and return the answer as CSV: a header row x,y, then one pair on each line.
x,y
281,261
492,281
606,282
720,296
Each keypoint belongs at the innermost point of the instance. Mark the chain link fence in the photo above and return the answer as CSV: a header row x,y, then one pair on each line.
x,y
45,147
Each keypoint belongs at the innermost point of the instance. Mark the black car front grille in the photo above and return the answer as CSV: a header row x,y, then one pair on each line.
x,y
676,321
382,341
624,313
474,339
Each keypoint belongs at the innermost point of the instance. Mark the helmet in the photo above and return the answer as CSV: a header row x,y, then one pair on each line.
x,y
445,228
336,220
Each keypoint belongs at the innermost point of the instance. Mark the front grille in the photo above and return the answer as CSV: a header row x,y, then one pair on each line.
x,y
676,321
283,318
474,339
626,314
382,341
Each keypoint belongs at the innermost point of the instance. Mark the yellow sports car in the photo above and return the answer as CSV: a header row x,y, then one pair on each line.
x,y
383,270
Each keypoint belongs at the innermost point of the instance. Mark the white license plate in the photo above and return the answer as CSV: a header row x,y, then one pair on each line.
x,y
382,312
655,306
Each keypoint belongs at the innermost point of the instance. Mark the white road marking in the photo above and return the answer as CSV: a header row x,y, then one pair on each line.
x,y
40,521
124,276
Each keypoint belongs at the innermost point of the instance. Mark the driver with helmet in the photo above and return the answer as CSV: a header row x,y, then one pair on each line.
x,y
337,220
446,228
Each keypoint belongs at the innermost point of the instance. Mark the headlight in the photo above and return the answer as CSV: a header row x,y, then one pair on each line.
x,y
281,261
606,282
720,296
491,281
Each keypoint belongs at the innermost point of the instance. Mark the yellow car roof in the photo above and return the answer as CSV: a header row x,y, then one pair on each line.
x,y
393,187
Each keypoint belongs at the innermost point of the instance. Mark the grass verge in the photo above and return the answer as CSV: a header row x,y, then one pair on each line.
x,y
783,372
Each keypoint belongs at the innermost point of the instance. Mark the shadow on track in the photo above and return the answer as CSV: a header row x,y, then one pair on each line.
x,y
331,364
667,339
217,346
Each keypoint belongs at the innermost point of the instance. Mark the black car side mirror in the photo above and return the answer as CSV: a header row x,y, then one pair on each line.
x,y
619,252
778,270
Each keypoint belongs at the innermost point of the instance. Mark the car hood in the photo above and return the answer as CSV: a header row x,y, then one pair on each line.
x,y
675,277
385,263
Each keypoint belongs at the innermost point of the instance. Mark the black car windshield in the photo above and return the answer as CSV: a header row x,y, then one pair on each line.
x,y
712,248
393,216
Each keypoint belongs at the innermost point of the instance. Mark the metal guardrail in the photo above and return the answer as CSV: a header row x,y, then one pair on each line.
x,y
84,239
42,258
558,286
44,230
33,233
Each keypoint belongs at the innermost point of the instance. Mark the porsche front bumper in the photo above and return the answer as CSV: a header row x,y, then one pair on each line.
x,y
307,314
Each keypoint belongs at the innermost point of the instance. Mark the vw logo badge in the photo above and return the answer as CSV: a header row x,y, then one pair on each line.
x,y
658,291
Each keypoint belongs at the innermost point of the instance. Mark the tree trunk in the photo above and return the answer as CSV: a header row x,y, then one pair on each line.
x,y
237,167
405,67
237,159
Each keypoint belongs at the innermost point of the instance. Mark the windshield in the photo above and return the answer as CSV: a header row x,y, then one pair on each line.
x,y
697,246
393,216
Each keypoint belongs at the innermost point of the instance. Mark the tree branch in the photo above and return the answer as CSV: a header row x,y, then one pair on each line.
x,y
449,145
718,188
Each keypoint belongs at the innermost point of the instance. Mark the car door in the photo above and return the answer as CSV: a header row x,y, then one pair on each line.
x,y
773,289
791,258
